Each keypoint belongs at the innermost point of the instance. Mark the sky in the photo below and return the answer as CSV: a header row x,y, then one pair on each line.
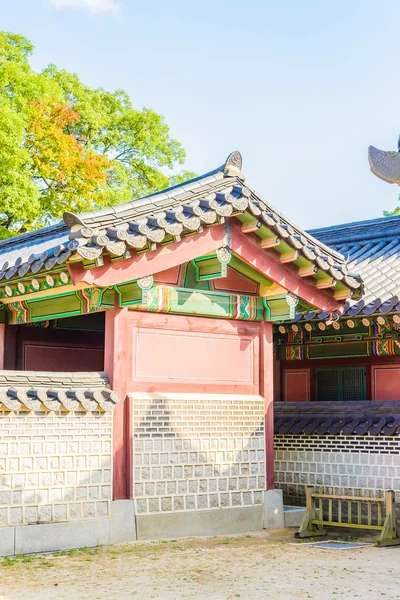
x,y
301,89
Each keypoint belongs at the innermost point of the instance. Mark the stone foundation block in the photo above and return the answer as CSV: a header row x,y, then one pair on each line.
x,y
51,537
221,521
273,510
122,521
7,541
61,536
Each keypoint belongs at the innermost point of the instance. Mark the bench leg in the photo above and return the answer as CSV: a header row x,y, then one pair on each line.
x,y
308,528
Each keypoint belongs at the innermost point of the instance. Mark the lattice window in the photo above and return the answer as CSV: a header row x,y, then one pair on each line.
x,y
353,383
327,384
346,383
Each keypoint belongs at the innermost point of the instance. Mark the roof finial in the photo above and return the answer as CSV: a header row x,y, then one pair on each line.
x,y
385,165
71,219
234,160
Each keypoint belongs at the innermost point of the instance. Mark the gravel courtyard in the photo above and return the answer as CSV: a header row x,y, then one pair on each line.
x,y
254,566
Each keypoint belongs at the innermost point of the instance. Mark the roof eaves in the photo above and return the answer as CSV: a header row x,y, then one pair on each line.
x,y
181,210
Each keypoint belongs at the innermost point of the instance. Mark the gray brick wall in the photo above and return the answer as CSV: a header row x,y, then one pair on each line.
x,y
347,464
197,451
54,467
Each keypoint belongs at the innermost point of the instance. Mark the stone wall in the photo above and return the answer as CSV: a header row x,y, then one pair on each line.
x,y
348,464
54,467
197,451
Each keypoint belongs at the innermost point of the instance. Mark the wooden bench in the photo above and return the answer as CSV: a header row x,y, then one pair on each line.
x,y
329,510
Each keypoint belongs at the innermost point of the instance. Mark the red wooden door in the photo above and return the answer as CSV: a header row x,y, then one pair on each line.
x,y
296,385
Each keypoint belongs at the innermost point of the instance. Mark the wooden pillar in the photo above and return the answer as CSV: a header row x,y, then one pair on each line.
x,y
118,366
277,381
267,391
2,345
8,346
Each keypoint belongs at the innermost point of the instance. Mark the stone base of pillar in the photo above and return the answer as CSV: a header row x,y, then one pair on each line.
x,y
273,510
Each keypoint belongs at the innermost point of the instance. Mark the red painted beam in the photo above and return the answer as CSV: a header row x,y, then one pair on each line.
x,y
249,250
172,255
161,259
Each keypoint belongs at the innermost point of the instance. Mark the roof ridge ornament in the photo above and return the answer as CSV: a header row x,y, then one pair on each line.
x,y
234,161
71,219
385,164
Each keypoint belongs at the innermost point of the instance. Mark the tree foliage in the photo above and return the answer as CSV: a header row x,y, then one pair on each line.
x,y
392,213
66,146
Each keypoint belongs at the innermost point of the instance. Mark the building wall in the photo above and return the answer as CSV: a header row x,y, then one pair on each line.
x,y
197,451
297,378
348,464
173,355
54,467
170,353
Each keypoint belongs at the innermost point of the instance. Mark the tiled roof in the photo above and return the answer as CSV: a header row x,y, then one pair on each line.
x,y
162,218
34,251
32,391
372,249
334,418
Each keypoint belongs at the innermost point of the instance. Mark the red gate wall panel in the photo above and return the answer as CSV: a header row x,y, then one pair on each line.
x,y
175,353
296,385
386,382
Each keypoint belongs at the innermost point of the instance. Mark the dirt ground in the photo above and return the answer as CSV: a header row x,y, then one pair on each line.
x,y
254,566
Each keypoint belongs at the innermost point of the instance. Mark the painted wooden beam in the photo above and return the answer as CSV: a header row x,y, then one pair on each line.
x,y
288,257
307,270
246,270
343,294
244,246
270,242
249,250
118,366
326,283
55,291
251,226
142,265
272,291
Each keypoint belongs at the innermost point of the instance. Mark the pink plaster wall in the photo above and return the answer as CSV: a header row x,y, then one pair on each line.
x,y
175,353
386,382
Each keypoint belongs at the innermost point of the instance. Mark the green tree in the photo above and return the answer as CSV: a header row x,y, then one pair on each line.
x,y
392,213
66,146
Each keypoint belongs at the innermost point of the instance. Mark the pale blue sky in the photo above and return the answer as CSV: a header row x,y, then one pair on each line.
x,y
300,88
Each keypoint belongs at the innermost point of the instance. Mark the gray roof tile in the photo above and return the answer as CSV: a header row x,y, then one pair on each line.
x,y
373,251
41,390
333,418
